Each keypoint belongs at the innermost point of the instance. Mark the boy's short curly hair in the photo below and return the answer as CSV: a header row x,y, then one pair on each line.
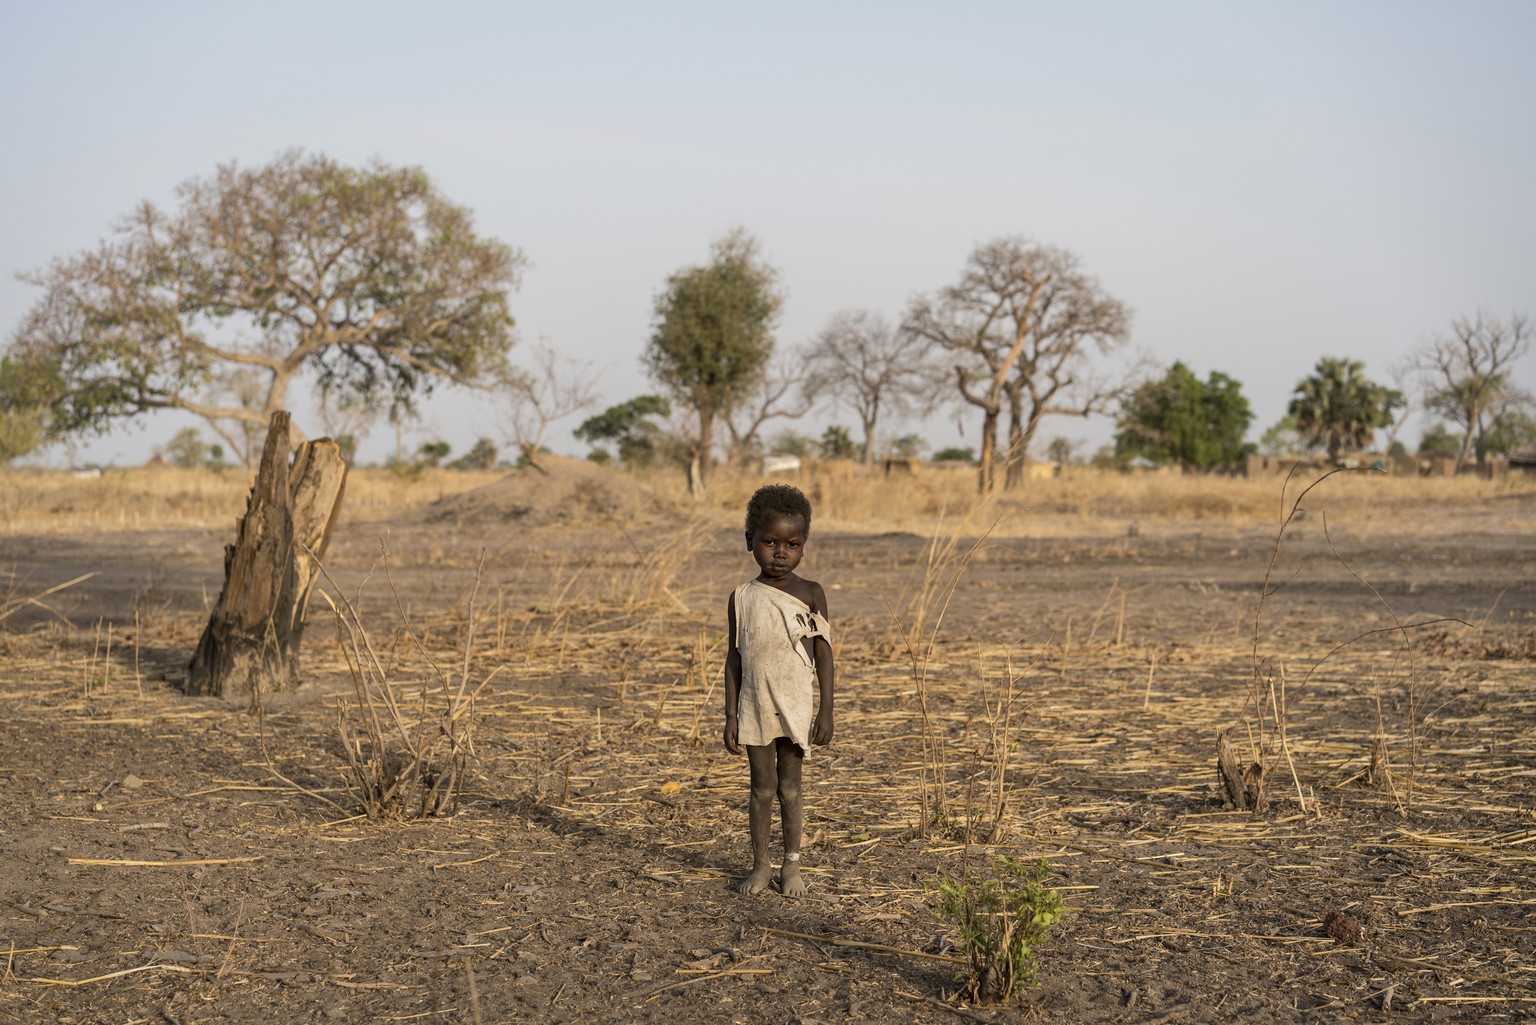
x,y
777,498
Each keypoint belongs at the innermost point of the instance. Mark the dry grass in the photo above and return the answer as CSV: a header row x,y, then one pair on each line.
x,y
847,497
36,502
1110,782
852,498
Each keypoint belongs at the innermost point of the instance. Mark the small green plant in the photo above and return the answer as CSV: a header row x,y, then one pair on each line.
x,y
1001,917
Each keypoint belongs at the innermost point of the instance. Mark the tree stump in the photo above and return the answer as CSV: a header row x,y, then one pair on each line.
x,y
1244,787
251,643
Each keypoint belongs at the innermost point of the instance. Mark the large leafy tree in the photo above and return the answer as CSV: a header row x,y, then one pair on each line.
x,y
1467,380
1181,419
1022,326
366,277
713,337
1338,408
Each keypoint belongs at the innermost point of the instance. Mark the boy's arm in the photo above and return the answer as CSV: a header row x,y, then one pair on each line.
x,y
732,678
821,651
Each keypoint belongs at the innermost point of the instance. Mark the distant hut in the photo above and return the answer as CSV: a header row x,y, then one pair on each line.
x,y
1437,465
1278,466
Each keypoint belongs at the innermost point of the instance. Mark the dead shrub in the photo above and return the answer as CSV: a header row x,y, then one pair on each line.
x,y
405,760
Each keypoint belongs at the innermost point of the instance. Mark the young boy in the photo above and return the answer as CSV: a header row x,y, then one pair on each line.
x,y
780,652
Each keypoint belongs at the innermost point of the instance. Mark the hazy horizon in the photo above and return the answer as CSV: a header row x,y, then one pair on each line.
x,y
1263,186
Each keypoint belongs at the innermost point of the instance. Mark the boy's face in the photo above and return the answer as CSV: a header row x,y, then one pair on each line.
x,y
778,544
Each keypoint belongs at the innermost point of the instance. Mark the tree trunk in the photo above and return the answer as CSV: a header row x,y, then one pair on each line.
x,y
867,419
251,643
988,450
698,463
530,454
1013,459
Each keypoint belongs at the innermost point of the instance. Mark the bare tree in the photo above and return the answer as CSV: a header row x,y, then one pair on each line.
x,y
552,388
1022,325
1467,378
785,391
872,369
1055,374
346,418
240,388
1402,372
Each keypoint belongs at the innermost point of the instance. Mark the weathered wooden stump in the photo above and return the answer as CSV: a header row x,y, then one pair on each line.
x,y
1244,787
251,643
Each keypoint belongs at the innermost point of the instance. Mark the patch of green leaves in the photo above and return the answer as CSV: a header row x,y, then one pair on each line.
x,y
1001,916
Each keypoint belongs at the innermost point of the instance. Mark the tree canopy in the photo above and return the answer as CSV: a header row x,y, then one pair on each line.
x,y
628,427
1439,440
837,443
23,408
1338,408
1180,419
366,277
713,336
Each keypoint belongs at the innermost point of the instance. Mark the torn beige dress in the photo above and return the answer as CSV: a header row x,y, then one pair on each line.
x,y
778,676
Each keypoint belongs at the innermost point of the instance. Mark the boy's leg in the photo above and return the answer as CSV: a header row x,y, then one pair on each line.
x,y
790,758
765,782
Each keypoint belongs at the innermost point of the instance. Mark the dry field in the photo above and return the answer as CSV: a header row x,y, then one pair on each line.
x,y
1052,690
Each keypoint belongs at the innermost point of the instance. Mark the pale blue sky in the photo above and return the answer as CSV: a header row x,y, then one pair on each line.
x,y
1264,184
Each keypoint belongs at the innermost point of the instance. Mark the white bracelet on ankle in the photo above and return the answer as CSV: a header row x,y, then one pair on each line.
x,y
792,856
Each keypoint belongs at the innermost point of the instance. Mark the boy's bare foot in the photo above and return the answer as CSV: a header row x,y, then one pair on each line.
x,y
757,882
791,884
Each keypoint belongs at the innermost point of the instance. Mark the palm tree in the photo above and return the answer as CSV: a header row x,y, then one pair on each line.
x,y
1338,407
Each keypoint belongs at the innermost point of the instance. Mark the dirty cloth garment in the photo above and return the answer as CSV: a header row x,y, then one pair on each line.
x,y
778,676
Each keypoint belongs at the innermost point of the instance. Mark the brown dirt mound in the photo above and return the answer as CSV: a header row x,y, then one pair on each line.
x,y
572,491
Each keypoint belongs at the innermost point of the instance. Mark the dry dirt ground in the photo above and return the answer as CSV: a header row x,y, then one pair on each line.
x,y
168,859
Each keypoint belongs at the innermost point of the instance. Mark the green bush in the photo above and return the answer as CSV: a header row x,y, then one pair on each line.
x,y
1001,918
955,454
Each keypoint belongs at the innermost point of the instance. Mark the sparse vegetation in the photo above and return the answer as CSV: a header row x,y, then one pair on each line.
x,y
837,443
1001,916
405,758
